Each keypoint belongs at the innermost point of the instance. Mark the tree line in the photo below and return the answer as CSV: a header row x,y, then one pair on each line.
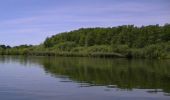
x,y
152,41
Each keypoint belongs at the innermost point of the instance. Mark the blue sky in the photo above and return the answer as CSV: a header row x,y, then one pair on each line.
x,y
31,21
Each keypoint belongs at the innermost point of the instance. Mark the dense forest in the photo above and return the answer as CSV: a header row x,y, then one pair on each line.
x,y
128,41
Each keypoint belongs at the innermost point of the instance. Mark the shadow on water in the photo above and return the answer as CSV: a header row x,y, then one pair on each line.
x,y
124,74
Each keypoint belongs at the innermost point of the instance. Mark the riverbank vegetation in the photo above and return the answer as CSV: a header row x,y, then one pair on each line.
x,y
128,41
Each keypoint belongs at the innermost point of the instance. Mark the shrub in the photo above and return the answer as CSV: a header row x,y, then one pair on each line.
x,y
65,46
99,48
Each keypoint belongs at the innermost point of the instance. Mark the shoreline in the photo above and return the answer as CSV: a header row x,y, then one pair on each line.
x,y
90,55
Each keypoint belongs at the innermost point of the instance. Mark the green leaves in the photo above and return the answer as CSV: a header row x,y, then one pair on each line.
x,y
151,41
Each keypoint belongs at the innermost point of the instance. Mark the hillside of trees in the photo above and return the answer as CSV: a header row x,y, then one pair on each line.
x,y
129,41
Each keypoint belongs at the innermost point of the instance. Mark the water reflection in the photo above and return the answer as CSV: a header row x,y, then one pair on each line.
x,y
124,74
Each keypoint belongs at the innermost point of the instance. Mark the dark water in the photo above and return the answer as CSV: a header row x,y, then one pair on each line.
x,y
43,78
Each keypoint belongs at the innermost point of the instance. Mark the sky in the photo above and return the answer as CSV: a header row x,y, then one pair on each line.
x,y
31,21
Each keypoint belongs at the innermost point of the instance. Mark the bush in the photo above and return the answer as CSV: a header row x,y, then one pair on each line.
x,y
79,49
155,51
99,48
124,49
65,46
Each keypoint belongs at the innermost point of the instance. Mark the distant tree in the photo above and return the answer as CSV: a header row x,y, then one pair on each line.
x,y
48,43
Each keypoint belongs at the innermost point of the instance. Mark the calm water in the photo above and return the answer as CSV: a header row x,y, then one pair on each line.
x,y
43,78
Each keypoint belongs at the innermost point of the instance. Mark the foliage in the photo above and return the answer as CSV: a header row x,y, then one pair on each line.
x,y
151,41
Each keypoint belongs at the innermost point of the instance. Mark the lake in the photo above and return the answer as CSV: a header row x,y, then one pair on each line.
x,y
74,78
